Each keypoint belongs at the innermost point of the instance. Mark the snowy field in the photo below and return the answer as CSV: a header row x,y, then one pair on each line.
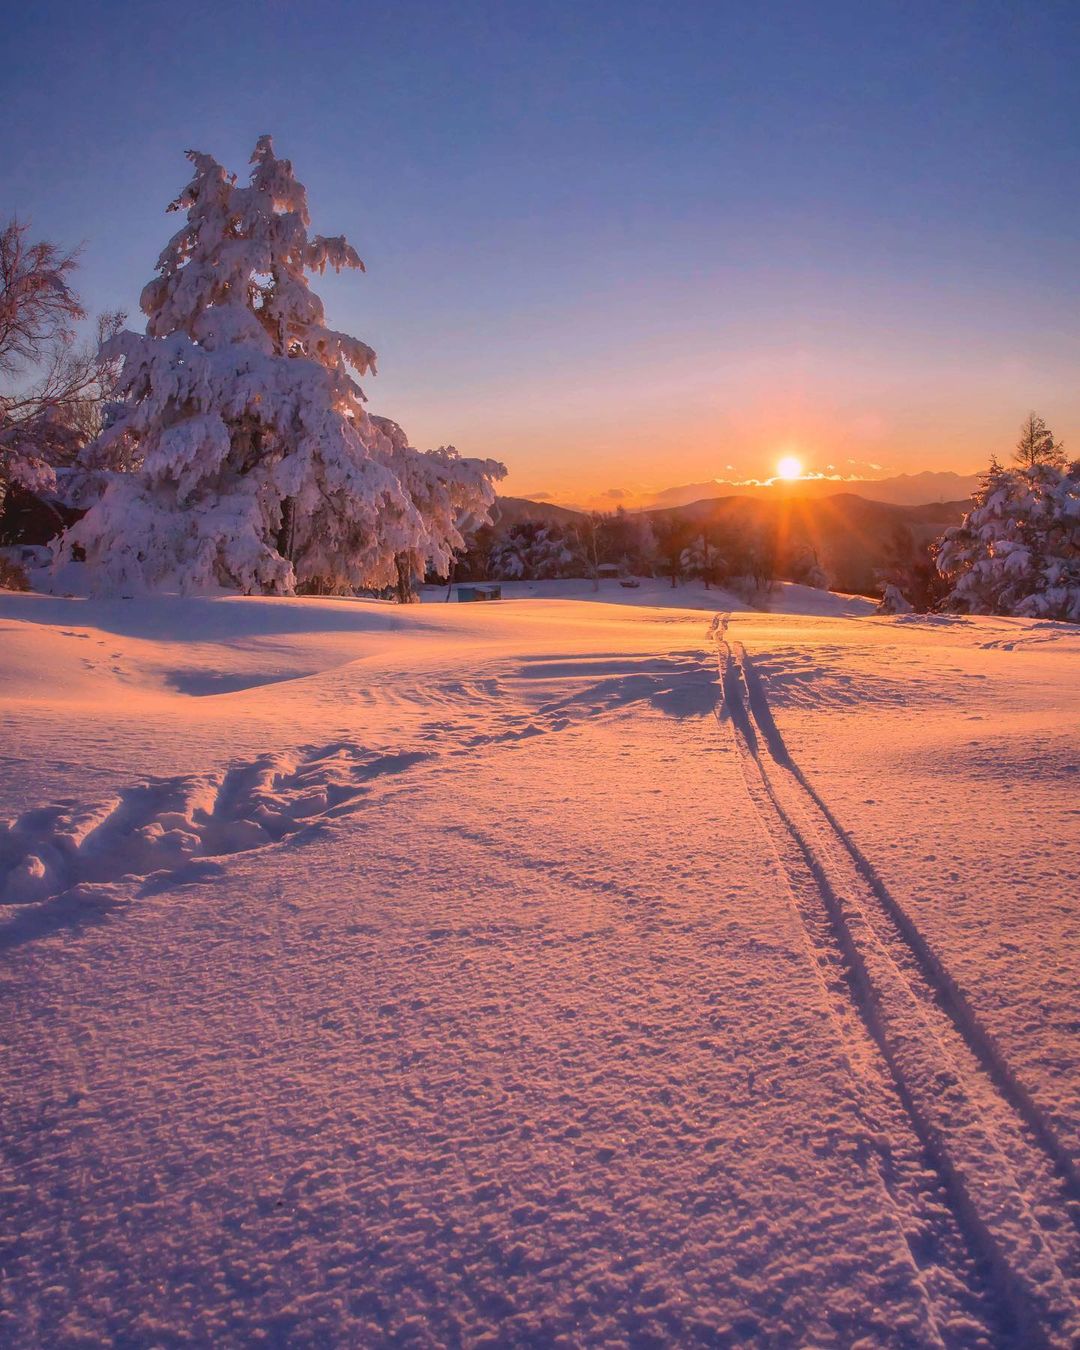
x,y
619,968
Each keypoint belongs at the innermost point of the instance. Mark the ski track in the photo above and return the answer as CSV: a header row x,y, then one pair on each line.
x,y
1011,1185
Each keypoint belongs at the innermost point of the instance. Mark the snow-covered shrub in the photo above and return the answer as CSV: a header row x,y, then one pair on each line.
x,y
1017,550
258,467
894,601
752,590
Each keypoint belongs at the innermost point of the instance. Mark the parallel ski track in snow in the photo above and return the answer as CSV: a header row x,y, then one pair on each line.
x,y
1010,1182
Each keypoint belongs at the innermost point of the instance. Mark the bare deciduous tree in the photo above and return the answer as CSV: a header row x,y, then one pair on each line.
x,y
54,387
1037,445
37,305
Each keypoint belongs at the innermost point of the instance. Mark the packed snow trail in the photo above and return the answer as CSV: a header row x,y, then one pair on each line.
x,y
1009,1179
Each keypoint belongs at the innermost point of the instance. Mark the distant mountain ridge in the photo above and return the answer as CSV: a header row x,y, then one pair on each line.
x,y
905,489
512,510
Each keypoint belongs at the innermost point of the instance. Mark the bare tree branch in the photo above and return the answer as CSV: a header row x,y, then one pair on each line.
x,y
37,305
53,400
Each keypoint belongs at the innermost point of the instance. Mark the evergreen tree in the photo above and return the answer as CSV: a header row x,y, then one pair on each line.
x,y
1017,551
259,468
531,551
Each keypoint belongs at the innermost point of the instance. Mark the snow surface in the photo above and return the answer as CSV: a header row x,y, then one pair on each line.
x,y
588,967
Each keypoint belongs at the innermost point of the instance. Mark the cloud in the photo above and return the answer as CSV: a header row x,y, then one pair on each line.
x,y
617,494
537,496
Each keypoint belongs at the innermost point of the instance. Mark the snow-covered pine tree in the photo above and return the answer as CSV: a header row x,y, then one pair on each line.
x,y
1017,551
258,467
534,552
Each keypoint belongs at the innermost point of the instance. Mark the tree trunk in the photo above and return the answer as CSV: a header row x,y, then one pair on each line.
x,y
287,528
405,593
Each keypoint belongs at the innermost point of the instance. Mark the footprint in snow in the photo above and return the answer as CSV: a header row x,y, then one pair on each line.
x,y
160,825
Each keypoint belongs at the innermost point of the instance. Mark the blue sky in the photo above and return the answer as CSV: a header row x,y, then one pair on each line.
x,y
617,245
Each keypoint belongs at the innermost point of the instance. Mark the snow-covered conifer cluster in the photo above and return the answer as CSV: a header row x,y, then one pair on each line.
x,y
533,552
258,466
1017,550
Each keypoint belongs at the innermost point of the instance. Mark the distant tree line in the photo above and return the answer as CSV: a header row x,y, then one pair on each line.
x,y
749,557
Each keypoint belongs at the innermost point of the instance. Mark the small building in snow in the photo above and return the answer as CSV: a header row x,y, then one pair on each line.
x,y
488,591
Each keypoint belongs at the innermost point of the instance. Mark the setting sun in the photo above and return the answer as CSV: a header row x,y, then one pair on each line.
x,y
789,468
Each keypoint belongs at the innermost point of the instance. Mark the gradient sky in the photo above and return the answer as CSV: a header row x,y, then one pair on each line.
x,y
618,245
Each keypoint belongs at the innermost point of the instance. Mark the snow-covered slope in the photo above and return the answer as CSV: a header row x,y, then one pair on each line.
x,y
571,968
